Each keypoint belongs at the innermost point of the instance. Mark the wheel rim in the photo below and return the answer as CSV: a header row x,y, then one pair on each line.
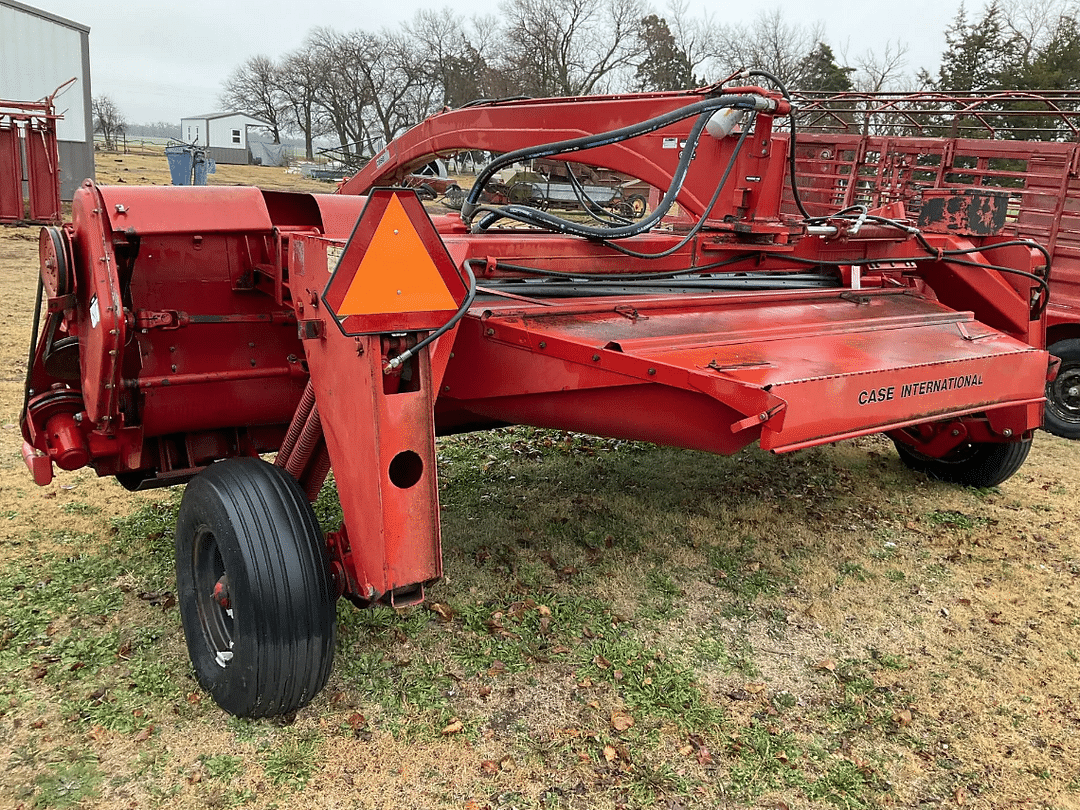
x,y
212,598
1063,395
454,197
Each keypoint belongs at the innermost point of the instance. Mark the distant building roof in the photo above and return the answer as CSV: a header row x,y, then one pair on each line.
x,y
208,116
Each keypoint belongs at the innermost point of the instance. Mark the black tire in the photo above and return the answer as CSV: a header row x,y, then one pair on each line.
x,y
265,646
638,205
1062,415
425,192
975,464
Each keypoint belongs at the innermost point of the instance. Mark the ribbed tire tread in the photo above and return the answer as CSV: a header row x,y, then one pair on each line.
x,y
283,623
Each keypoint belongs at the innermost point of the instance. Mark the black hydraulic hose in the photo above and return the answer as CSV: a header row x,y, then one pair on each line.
x,y
699,108
591,207
791,143
560,225
664,274
948,256
705,214
470,296
1028,243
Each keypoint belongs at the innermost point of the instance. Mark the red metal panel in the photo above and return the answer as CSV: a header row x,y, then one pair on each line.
x,y
100,319
382,446
11,194
43,171
339,213
196,210
818,367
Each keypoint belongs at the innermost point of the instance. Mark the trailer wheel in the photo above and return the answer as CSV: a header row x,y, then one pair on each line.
x,y
638,205
1062,416
975,464
454,197
526,194
254,590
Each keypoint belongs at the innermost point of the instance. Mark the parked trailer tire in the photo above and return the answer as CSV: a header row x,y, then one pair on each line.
x,y
254,589
975,464
1062,416
425,192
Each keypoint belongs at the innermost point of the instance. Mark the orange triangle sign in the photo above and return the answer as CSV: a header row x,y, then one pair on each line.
x,y
396,273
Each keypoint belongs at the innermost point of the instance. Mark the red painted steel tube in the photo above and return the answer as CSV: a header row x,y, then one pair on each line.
x,y
171,380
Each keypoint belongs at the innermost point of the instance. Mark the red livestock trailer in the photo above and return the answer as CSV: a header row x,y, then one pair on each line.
x,y
189,330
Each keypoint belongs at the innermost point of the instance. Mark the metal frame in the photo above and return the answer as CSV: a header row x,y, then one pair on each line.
x,y
29,128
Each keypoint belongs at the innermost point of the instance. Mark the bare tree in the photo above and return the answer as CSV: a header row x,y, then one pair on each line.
x,y
1030,24
299,80
108,120
880,73
342,94
393,71
696,37
254,88
569,47
374,86
452,55
769,43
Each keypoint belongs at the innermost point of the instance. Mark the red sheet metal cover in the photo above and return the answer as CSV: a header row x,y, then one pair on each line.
x,y
188,209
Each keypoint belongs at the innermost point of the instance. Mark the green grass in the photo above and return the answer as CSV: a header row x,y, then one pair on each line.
x,y
587,581
67,783
291,762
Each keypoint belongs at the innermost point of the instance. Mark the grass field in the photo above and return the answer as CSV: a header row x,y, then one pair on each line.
x,y
620,625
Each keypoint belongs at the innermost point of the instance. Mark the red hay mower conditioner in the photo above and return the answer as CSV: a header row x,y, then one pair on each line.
x,y
189,330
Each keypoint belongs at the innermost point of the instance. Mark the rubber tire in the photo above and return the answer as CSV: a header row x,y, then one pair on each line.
x,y
976,464
1061,418
425,192
254,516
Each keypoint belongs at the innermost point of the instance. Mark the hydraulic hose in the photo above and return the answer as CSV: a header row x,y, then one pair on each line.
x,y
703,109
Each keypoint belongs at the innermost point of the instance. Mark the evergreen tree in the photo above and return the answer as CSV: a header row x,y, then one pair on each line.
x,y
664,65
1055,65
975,54
819,71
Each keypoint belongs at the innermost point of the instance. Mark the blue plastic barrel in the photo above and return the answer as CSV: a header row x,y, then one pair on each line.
x,y
180,160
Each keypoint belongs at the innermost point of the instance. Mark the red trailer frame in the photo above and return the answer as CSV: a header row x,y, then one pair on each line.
x,y
189,325
28,128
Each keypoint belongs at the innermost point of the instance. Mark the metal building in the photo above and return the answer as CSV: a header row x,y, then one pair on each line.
x,y
224,134
39,52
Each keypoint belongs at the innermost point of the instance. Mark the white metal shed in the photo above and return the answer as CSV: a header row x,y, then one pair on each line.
x,y
224,134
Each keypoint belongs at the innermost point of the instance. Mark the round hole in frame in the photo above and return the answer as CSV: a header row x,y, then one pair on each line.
x,y
406,469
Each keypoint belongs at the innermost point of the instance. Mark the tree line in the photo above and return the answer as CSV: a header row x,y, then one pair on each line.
x,y
364,88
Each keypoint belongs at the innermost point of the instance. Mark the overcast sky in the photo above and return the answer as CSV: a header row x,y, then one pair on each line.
x,y
161,61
